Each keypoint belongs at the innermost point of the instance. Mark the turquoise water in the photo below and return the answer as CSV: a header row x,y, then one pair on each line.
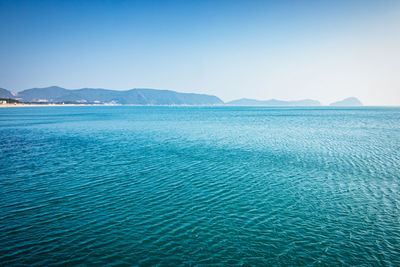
x,y
199,185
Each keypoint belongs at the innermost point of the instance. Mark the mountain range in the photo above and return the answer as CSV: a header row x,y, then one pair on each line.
x,y
55,94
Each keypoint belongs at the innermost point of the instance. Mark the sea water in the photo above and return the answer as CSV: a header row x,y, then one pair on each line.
x,y
112,185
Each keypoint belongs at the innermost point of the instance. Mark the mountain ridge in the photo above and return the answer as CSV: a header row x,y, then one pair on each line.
x,y
347,102
147,96
138,96
4,93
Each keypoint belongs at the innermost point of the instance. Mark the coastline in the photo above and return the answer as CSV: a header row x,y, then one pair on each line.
x,y
97,105
21,105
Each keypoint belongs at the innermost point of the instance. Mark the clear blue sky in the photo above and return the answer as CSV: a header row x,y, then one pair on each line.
x,y
324,50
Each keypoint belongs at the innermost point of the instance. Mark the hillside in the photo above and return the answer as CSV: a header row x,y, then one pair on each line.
x,y
133,96
348,102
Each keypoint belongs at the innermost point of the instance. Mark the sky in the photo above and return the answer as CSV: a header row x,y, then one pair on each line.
x,y
289,50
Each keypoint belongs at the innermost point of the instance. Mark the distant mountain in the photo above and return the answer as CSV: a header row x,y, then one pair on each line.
x,y
6,94
351,101
138,96
48,94
134,96
273,102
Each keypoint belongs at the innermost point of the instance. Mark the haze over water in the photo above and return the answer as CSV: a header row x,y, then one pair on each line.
x,y
200,185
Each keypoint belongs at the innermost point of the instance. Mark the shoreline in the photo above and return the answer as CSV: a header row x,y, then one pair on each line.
x,y
96,105
20,105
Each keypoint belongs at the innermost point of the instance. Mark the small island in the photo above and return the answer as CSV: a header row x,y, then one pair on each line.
x,y
347,102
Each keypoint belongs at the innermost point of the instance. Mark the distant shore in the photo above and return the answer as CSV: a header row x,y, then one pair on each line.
x,y
21,105
18,105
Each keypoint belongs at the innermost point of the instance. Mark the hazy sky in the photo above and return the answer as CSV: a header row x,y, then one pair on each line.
x,y
325,50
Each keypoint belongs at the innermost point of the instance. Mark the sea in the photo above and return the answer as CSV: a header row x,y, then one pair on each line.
x,y
199,186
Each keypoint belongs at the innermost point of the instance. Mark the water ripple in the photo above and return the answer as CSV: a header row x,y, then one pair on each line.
x,y
200,186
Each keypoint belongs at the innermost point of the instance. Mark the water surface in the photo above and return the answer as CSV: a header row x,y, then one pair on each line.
x,y
199,185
